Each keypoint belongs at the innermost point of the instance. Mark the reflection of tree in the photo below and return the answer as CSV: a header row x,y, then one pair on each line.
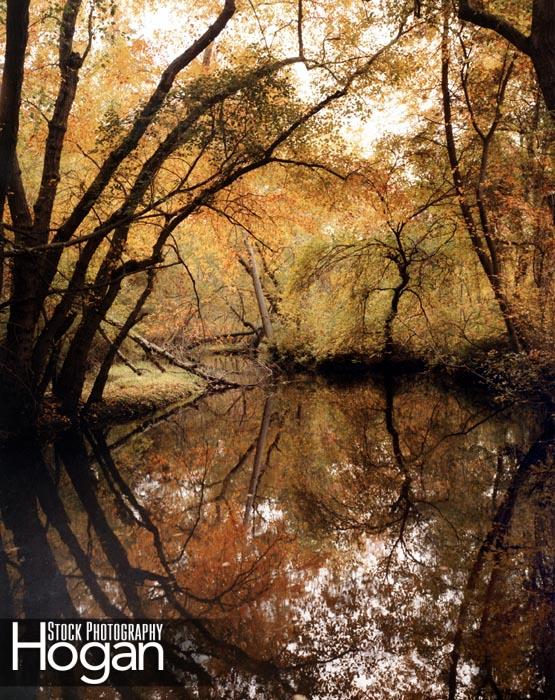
x,y
425,540
103,577
34,563
493,551
74,456
39,588
266,525
382,493
405,506
258,464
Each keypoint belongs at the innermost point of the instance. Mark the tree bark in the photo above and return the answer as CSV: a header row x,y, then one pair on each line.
x,y
17,31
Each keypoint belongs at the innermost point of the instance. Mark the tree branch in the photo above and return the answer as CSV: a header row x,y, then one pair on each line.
x,y
133,137
487,20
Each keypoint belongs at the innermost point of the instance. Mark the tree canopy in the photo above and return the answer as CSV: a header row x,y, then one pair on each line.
x,y
249,175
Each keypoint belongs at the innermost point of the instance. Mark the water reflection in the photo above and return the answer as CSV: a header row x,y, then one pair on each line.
x,y
391,539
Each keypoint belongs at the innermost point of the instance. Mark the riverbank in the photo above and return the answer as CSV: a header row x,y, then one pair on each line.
x,y
507,376
146,388
129,395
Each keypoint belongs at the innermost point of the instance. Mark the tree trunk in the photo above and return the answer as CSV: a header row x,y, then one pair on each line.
x,y
10,96
17,26
258,290
393,310
485,249
542,40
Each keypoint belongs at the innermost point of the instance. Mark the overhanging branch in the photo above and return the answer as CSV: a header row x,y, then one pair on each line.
x,y
487,20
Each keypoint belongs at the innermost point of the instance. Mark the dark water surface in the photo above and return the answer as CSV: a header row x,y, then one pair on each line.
x,y
387,539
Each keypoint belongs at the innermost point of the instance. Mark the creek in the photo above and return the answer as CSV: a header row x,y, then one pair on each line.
x,y
386,538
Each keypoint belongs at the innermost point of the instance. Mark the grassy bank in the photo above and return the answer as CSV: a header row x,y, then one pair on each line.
x,y
129,395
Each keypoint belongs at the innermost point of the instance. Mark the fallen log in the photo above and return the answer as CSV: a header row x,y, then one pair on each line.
x,y
119,354
149,347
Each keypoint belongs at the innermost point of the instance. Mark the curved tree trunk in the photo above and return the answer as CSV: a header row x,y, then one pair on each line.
x,y
539,45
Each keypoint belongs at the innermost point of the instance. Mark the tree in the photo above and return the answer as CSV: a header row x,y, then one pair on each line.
x,y
539,45
481,236
482,106
17,20
190,140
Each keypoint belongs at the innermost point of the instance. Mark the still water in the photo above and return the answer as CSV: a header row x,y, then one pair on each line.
x,y
390,539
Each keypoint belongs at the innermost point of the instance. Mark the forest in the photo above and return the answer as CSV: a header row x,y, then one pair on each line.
x,y
312,183
277,306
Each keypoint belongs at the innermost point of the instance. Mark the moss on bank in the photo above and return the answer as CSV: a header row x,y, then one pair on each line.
x,y
129,395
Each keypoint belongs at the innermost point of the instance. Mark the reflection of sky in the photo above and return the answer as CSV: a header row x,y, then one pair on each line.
x,y
372,666
361,626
